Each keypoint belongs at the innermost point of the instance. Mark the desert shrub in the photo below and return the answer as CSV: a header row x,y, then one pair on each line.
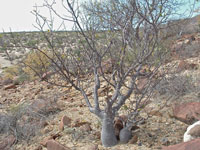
x,y
17,73
32,43
191,50
21,121
177,85
11,72
37,60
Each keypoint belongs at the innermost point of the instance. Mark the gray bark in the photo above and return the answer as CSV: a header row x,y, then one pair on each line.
x,y
125,135
108,137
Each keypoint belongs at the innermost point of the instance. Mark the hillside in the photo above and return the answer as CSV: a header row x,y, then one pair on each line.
x,y
33,112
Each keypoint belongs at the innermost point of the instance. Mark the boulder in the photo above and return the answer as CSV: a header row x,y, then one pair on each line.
x,y
45,140
54,145
191,145
187,112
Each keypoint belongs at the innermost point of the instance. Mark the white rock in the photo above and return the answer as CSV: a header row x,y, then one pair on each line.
x,y
187,137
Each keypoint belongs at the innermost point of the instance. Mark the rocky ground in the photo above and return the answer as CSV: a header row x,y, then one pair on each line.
x,y
83,131
64,117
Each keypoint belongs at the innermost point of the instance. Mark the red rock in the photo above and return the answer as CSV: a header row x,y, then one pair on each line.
x,y
195,131
7,142
54,145
191,145
65,121
11,86
187,112
118,126
45,140
47,75
133,140
141,84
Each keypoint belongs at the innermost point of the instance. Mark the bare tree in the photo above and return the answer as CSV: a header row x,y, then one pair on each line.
x,y
119,42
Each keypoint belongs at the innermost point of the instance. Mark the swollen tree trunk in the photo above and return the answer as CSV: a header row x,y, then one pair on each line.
x,y
108,137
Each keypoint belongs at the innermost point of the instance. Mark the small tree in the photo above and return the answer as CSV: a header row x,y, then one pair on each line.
x,y
119,42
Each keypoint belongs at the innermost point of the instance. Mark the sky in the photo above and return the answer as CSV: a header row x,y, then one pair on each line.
x,y
16,15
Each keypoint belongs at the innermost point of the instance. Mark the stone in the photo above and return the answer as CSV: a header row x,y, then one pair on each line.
x,y
65,121
133,140
45,140
86,128
187,112
191,145
7,142
193,131
141,84
47,75
54,145
11,86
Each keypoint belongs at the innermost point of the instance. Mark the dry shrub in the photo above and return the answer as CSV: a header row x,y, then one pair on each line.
x,y
36,63
11,72
175,86
189,50
22,122
15,72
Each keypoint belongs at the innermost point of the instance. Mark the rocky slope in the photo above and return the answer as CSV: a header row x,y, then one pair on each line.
x,y
60,114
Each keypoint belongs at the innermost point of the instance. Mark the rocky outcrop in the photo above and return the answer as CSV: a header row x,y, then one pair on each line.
x,y
187,112
191,145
